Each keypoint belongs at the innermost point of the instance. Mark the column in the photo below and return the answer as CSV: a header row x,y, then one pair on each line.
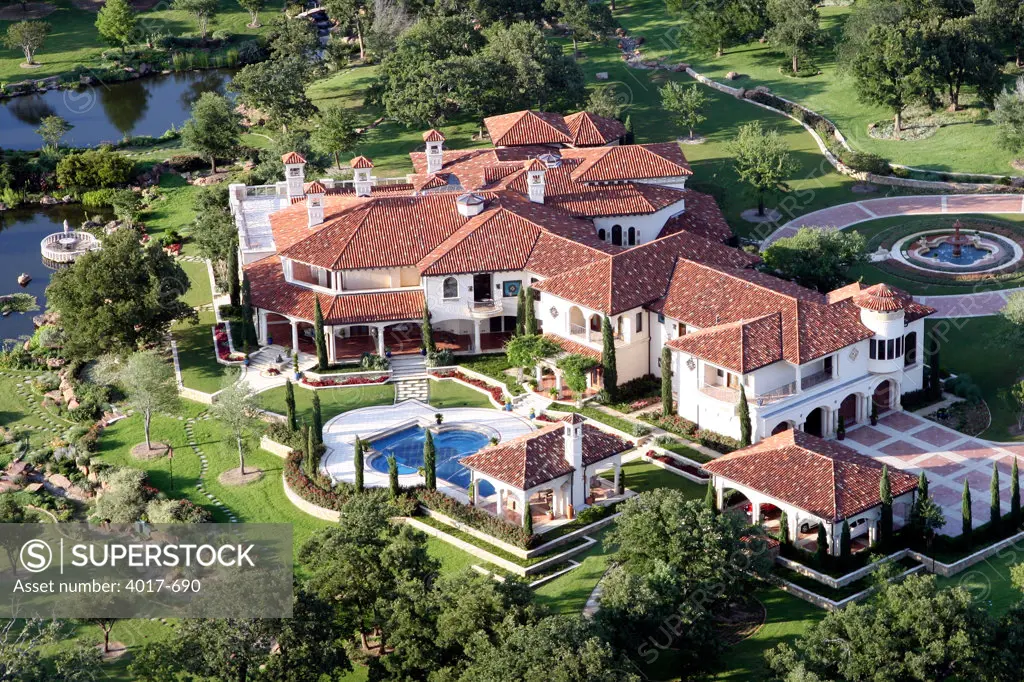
x,y
539,373
558,380
331,354
525,496
295,336
476,335
380,340
618,470
719,494
755,512
794,525
872,531
261,315
831,542
799,388
476,490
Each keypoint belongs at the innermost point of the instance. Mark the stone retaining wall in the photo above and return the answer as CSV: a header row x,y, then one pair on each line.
x,y
308,507
832,605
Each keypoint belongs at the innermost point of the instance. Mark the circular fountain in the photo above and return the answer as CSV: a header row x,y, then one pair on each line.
x,y
66,246
957,251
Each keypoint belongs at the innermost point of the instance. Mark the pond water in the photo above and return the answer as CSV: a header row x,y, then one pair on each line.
x,y
106,113
20,233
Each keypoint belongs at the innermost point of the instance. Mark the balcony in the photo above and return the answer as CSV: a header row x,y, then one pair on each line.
x,y
723,393
812,380
482,310
777,394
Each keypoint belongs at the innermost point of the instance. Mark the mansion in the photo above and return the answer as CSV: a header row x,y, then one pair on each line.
x,y
596,228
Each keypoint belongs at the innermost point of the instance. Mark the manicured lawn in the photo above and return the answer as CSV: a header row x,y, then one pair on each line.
x,y
15,411
453,394
568,594
333,401
883,233
643,476
971,147
989,583
74,40
199,367
199,292
173,211
978,346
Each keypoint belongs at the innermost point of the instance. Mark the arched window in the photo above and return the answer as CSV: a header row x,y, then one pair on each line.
x,y
617,235
631,238
910,349
602,234
450,288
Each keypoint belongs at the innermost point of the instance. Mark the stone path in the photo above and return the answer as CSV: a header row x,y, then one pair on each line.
x,y
840,217
412,389
911,443
204,466
23,388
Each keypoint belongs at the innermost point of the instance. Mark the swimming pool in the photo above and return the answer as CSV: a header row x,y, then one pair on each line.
x,y
452,444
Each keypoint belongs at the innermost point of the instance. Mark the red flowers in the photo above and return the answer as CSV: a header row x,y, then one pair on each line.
x,y
348,381
497,394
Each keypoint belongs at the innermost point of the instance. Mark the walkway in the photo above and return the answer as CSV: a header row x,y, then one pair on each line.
x,y
843,216
340,434
911,443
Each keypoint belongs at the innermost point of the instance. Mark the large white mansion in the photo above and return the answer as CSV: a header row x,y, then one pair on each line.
x,y
597,228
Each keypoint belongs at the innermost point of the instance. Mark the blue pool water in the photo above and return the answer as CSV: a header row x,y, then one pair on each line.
x,y
451,445
944,253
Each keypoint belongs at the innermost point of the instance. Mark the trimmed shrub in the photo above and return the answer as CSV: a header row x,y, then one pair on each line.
x,y
475,518
95,169
867,163
99,197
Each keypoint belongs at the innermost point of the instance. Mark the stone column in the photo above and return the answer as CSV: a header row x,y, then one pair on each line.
x,y
719,494
829,532
755,512
539,374
261,315
794,525
380,340
295,336
331,354
476,335
618,472
476,490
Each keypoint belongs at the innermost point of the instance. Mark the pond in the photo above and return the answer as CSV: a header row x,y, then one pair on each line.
x,y
106,113
20,233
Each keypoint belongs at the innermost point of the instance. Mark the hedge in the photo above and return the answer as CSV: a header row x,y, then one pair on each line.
x,y
690,431
475,518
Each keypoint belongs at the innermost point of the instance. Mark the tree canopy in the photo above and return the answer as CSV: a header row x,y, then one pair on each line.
x,y
815,257
213,129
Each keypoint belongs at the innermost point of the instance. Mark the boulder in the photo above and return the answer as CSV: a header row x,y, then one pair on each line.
x,y
145,69
48,201
66,199
601,75
732,75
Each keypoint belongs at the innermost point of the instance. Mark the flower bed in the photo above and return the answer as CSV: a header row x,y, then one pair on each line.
x,y
688,430
220,337
496,393
676,464
320,492
475,518
348,381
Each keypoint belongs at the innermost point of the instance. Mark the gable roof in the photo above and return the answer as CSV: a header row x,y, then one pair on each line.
x,y
742,346
824,478
589,129
538,457
527,128
629,162
707,297
702,216
640,275
292,158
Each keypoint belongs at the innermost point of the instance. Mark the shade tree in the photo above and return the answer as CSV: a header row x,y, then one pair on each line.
x,y
27,36
583,19
687,105
148,382
335,132
761,160
817,258
200,10
794,28
237,409
214,128
116,22
891,69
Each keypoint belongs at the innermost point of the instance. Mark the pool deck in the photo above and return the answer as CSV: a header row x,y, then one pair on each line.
x,y
340,434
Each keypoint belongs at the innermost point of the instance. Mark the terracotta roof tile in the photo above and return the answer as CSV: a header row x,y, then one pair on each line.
x,y
589,129
630,162
314,187
538,457
292,157
433,135
361,162
271,292
702,216
527,128
574,348
742,346
824,478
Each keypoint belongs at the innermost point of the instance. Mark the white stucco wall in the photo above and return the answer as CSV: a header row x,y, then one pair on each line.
x,y
648,226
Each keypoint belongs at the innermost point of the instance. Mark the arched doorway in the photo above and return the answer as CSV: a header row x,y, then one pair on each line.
x,y
882,397
848,409
577,323
783,426
617,235
815,422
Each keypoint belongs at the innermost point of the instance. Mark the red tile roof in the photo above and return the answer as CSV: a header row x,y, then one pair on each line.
x,y
641,275
361,162
702,216
629,162
882,298
742,346
292,157
821,477
271,292
538,457
574,347
314,187
527,128
707,297
433,135
589,129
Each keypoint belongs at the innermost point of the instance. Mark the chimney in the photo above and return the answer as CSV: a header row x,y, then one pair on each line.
x,y
535,170
572,432
435,150
315,203
294,173
470,204
363,180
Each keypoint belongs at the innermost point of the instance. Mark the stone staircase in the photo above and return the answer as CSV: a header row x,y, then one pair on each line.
x,y
523,404
404,366
412,389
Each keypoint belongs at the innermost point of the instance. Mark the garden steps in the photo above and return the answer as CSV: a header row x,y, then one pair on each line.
x,y
412,389
404,366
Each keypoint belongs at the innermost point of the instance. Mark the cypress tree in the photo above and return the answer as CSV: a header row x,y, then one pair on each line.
x,y
527,521
530,315
249,334
822,551
429,462
427,331
310,452
1015,495
233,280
393,488
784,528
621,489
744,414
629,130
966,515
321,340
318,421
922,486
289,401
885,494
710,500
995,515
521,312
845,544
611,374
666,381
934,374
357,463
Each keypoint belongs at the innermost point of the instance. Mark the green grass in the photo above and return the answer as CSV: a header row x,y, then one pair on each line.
x,y
173,211
882,233
980,347
199,367
199,292
568,594
965,147
16,413
643,476
74,40
454,394
333,401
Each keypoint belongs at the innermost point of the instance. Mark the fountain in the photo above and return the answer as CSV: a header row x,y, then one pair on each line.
x,y
957,241
66,246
